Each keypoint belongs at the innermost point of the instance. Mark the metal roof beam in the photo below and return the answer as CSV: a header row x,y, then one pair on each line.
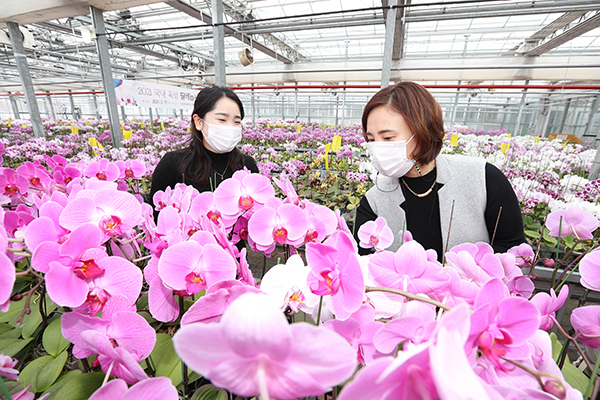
x,y
570,34
202,16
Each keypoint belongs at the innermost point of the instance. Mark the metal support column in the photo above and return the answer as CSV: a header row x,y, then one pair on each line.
x,y
455,107
181,113
96,108
588,129
107,79
253,108
50,105
563,119
543,116
219,43
23,68
388,46
151,118
521,105
308,111
295,108
343,106
123,115
72,105
15,107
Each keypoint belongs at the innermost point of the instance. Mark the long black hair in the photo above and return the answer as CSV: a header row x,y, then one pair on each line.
x,y
196,165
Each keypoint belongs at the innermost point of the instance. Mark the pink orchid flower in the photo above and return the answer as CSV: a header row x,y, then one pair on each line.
x,y
36,175
180,198
286,224
159,388
253,350
322,222
375,234
548,304
573,221
520,286
242,193
359,330
161,298
113,211
524,255
288,189
457,291
210,307
204,206
46,228
500,323
586,322
475,262
195,265
411,330
104,170
589,269
286,285
65,175
6,367
336,272
7,272
408,269
130,169
13,184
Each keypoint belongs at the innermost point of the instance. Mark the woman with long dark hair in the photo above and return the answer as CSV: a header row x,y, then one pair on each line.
x,y
211,156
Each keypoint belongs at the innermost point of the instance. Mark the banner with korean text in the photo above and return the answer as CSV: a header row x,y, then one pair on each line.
x,y
144,94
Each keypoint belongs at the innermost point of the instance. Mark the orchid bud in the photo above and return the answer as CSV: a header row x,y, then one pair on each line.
x,y
555,388
17,297
549,263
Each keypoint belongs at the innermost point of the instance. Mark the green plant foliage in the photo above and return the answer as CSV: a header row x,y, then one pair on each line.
x,y
29,375
209,392
80,388
572,374
10,347
61,382
166,360
53,340
48,375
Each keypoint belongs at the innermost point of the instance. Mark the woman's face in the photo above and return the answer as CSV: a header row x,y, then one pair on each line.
x,y
226,112
386,125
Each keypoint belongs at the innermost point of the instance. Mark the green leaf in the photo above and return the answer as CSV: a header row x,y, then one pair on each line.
x,y
209,392
166,360
51,372
5,328
575,377
29,375
10,347
533,234
16,307
53,340
33,320
12,334
81,388
61,382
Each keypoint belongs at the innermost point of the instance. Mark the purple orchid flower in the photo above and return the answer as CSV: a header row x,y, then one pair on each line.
x,y
336,272
130,169
36,175
159,388
6,367
575,221
475,262
524,255
375,234
548,304
254,350
243,192
103,169
586,322
285,224
589,269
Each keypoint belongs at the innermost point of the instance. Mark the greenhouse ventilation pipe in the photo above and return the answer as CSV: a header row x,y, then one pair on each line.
x,y
282,87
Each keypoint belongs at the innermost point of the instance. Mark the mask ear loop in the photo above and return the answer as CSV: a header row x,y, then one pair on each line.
x,y
385,191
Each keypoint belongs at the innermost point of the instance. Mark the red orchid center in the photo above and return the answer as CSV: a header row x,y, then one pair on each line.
x,y
101,175
34,181
89,269
214,216
373,240
312,236
96,299
244,234
11,190
295,298
111,224
246,202
68,179
280,235
192,231
194,282
129,173
328,283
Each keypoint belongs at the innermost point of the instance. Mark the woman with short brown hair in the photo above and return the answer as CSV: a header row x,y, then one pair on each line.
x,y
443,200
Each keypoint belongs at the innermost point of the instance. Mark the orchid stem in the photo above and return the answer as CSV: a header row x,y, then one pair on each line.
x,y
557,249
141,259
593,379
319,312
108,373
570,338
5,390
408,295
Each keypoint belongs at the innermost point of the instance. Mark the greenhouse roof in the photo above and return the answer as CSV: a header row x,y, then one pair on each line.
x,y
312,41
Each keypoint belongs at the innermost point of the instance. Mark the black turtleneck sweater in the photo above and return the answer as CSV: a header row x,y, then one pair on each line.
x,y
423,213
167,172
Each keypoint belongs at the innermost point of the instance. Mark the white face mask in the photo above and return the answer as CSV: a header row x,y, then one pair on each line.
x,y
223,138
391,158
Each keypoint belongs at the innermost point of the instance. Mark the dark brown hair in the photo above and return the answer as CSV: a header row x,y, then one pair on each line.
x,y
420,111
196,165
